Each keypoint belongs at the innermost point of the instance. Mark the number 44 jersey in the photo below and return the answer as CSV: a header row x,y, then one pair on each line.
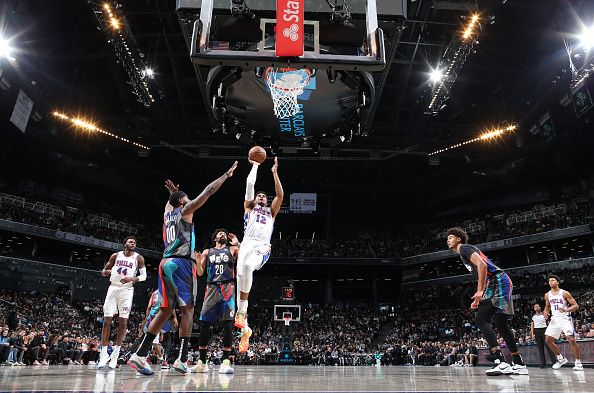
x,y
123,267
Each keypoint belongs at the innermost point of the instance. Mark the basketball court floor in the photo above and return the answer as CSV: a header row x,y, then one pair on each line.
x,y
294,379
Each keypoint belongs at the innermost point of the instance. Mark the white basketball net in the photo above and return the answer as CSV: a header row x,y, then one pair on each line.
x,y
285,86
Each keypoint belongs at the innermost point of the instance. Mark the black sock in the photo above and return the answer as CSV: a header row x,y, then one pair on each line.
x,y
147,344
226,354
517,359
203,355
183,350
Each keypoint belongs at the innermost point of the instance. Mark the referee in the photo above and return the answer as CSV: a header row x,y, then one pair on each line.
x,y
537,328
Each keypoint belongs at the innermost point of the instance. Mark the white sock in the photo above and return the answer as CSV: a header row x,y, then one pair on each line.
x,y
559,357
242,306
104,349
116,349
578,361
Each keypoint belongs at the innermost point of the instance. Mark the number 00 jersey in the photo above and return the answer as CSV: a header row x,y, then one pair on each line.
x,y
258,224
123,267
178,236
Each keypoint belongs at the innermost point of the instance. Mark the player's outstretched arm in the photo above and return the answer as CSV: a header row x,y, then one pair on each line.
x,y
213,187
171,187
250,184
278,190
110,262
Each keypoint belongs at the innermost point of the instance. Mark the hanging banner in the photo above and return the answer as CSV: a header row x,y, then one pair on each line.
x,y
22,111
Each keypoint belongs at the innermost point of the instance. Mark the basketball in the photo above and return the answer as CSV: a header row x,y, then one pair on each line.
x,y
257,154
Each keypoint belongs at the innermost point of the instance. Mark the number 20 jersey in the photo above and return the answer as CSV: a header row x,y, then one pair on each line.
x,y
178,236
258,224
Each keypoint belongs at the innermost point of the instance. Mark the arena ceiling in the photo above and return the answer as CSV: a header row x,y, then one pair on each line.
x,y
507,79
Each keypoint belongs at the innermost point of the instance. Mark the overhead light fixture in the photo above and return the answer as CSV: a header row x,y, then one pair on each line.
x,y
5,49
87,125
436,75
587,38
148,73
470,27
489,135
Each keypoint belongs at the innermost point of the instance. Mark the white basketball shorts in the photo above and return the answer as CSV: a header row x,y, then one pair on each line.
x,y
252,256
118,301
560,325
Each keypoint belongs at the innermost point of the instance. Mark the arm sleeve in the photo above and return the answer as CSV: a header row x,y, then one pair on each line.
x,y
250,183
142,275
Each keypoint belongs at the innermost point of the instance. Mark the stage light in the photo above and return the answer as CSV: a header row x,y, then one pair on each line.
x,y
436,75
5,48
587,38
88,126
489,135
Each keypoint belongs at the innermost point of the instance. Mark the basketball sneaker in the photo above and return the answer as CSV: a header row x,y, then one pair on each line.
x,y
140,364
200,367
560,363
501,368
240,320
113,360
103,359
226,367
578,366
519,369
181,367
244,343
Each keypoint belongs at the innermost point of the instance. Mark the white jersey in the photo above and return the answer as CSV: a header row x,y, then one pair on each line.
x,y
258,224
557,301
124,267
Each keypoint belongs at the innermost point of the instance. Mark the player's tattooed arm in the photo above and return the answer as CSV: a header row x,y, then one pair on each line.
x,y
278,190
213,187
107,268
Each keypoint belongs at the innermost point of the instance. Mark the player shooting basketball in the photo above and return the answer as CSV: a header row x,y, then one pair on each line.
x,y
258,222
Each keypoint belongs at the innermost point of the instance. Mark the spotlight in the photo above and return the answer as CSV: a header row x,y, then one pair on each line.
x,y
587,38
148,73
5,48
436,75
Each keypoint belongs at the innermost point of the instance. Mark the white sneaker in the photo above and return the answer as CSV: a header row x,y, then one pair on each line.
x,y
518,369
181,367
578,366
560,363
103,359
200,367
92,363
500,369
113,360
226,367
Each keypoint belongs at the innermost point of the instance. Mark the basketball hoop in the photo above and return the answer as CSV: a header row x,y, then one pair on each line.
x,y
286,84
287,316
